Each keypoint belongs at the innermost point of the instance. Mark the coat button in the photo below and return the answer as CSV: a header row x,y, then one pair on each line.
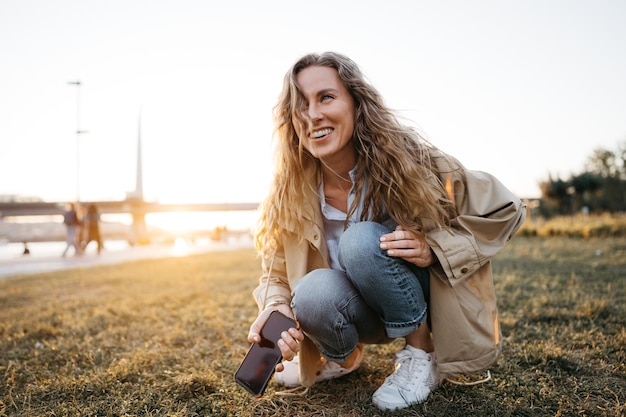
x,y
464,270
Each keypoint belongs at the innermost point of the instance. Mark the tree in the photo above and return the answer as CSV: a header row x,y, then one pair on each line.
x,y
556,196
587,187
621,159
602,187
602,163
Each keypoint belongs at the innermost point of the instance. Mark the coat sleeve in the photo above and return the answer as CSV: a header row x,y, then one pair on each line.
x,y
486,218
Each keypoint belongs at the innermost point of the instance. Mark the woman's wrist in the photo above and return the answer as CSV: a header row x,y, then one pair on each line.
x,y
275,304
280,306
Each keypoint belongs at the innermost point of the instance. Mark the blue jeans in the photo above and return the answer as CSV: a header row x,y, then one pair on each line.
x,y
71,239
378,297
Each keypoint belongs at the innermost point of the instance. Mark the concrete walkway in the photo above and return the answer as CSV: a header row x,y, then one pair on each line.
x,y
31,265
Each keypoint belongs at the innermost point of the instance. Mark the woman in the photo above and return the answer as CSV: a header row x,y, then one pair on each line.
x,y
369,234
92,225
72,224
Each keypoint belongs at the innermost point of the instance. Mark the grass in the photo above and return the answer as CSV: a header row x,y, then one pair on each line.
x,y
579,225
164,337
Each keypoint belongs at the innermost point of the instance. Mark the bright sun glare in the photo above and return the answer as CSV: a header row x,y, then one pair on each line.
x,y
179,222
180,247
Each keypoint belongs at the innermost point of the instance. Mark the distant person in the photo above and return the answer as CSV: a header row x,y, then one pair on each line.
x,y
26,251
370,233
91,227
72,226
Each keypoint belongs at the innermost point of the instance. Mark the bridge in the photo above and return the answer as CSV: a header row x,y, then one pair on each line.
x,y
135,207
134,204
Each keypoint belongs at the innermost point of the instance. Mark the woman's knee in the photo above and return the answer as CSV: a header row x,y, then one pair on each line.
x,y
361,241
317,292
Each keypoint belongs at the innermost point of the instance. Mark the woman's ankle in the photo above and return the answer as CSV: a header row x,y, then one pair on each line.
x,y
421,339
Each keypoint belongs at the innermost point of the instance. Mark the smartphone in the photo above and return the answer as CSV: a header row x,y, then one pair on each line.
x,y
260,362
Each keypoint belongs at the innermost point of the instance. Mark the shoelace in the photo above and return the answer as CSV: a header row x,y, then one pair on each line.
x,y
405,364
299,391
480,381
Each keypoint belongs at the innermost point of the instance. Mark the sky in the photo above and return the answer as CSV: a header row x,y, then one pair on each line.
x,y
521,89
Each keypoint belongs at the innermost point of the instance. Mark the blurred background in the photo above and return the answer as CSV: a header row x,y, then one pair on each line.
x,y
524,90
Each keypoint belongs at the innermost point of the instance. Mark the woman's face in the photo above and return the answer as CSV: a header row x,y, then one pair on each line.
x,y
332,111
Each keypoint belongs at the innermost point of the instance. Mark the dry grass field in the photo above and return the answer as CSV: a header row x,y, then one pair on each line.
x,y
164,337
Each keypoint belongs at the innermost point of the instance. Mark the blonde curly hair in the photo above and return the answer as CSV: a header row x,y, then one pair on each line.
x,y
401,180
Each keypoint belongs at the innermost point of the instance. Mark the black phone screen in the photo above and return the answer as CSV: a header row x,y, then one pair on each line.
x,y
258,366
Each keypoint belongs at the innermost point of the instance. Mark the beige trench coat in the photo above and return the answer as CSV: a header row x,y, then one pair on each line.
x,y
463,311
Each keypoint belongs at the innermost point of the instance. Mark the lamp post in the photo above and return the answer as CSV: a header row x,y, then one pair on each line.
x,y
78,133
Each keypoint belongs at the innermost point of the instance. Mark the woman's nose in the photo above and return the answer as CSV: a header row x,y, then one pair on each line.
x,y
314,112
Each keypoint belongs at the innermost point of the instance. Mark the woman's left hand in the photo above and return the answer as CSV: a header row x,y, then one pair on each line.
x,y
410,246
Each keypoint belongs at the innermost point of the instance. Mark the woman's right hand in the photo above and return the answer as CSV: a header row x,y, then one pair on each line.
x,y
289,343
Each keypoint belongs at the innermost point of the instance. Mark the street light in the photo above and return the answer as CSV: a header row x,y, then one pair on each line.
x,y
78,133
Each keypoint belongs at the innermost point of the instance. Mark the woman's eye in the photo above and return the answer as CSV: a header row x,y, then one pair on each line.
x,y
327,97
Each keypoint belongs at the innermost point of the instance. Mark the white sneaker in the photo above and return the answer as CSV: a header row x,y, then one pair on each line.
x,y
414,378
290,376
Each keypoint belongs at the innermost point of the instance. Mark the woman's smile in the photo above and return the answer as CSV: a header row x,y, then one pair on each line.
x,y
319,134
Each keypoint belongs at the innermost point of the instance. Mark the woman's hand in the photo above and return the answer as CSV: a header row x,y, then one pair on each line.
x,y
410,246
289,343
